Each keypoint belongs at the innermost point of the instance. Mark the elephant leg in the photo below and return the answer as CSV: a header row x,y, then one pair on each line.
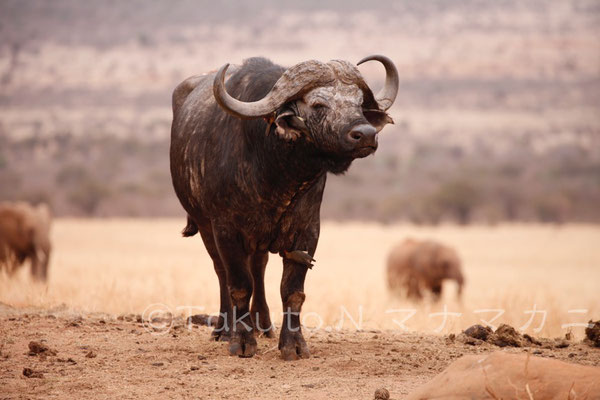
x,y
36,266
43,256
413,290
436,290
44,268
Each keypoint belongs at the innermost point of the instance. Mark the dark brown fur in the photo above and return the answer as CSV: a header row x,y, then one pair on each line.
x,y
24,235
251,187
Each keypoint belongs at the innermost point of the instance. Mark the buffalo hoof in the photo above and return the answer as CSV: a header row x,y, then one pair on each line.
x,y
220,335
262,323
293,346
242,344
267,333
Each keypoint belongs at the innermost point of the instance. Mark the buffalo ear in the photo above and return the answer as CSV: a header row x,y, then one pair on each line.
x,y
378,118
289,126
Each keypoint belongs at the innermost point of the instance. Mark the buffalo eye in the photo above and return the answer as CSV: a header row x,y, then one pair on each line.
x,y
319,106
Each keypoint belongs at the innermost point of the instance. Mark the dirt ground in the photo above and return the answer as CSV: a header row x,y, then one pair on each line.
x,y
107,356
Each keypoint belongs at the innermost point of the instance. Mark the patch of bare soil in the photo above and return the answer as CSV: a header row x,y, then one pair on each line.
x,y
58,354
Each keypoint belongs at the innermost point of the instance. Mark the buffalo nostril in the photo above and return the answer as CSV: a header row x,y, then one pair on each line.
x,y
363,134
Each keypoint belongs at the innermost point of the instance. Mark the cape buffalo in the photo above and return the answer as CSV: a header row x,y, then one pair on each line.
x,y
416,265
249,158
25,235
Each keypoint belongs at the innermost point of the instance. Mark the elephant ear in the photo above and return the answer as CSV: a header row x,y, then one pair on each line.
x,y
377,118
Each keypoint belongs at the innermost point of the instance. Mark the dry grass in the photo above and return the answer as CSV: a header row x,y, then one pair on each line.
x,y
122,266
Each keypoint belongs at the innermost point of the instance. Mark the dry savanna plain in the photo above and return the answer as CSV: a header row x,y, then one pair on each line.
x,y
109,277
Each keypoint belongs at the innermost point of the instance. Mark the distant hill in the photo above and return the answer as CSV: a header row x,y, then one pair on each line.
x,y
497,116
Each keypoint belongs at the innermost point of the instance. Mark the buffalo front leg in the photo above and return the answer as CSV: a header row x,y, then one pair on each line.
x,y
239,282
260,310
291,341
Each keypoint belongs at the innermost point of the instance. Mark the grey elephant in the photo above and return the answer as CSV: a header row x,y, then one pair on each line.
x,y
416,266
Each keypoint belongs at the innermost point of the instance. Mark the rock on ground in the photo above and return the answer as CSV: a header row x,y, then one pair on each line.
x,y
503,375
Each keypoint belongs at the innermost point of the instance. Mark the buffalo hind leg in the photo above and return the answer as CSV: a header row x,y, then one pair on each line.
x,y
291,341
259,310
239,282
222,330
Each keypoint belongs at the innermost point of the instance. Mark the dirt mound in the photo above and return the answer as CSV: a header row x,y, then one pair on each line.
x,y
36,348
507,336
203,320
30,373
504,336
479,332
592,333
506,376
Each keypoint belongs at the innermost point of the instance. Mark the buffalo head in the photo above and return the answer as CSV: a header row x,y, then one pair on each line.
x,y
328,105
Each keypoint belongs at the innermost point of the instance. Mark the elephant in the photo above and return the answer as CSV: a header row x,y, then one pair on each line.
x,y
422,265
25,235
